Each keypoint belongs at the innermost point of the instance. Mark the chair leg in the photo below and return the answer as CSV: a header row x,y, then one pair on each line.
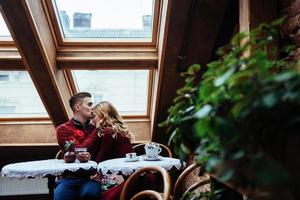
x,y
51,185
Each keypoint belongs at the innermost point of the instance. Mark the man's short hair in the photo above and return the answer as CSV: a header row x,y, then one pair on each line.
x,y
77,98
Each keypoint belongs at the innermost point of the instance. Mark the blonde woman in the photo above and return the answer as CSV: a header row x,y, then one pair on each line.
x,y
114,141
113,133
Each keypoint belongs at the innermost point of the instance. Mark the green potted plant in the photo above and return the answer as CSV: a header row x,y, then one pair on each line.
x,y
69,153
239,112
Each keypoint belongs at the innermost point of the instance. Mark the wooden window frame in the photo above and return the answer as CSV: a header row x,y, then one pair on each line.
x,y
7,41
63,42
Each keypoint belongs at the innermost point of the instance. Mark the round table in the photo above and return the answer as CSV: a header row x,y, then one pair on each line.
x,y
42,168
121,166
45,168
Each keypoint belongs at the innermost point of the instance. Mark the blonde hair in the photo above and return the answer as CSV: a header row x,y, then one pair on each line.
x,y
111,118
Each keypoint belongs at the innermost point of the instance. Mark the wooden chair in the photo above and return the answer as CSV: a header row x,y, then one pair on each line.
x,y
59,155
177,194
139,149
147,193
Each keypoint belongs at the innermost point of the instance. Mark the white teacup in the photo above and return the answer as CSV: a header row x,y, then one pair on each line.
x,y
80,150
131,156
152,149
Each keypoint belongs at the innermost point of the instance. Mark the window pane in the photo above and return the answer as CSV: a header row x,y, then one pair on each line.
x,y
18,96
127,90
106,18
4,32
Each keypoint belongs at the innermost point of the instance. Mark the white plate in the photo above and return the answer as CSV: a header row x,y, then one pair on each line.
x,y
151,159
131,160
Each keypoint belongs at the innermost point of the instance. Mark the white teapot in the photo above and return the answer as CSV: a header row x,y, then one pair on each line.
x,y
152,149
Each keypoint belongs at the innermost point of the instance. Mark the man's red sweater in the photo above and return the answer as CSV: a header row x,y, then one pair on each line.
x,y
83,135
86,135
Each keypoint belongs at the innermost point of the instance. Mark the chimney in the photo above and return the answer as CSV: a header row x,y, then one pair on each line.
x,y
82,20
147,21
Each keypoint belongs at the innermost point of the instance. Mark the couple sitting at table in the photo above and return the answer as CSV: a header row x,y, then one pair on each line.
x,y
102,131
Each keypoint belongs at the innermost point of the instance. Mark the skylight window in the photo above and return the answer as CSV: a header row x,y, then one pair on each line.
x,y
127,90
109,20
4,32
18,96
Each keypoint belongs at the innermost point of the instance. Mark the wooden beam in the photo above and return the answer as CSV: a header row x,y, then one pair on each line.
x,y
106,60
189,33
10,59
254,12
31,33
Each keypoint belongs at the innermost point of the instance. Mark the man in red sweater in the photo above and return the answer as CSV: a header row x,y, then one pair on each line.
x,y
80,185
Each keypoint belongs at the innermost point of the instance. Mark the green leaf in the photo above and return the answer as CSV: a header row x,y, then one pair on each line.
x,y
221,80
185,149
185,90
238,155
193,69
203,112
173,136
270,100
164,123
212,163
226,175
284,76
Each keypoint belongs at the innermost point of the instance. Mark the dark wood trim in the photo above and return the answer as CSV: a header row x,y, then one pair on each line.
x,y
150,92
10,59
27,22
7,42
156,19
106,60
19,119
7,64
70,81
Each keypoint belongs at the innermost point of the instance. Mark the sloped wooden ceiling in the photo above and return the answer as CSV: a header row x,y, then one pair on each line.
x,y
190,31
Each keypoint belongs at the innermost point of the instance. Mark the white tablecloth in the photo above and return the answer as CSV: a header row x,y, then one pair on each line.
x,y
120,165
42,168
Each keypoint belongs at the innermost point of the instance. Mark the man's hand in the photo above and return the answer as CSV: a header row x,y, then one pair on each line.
x,y
84,156
96,177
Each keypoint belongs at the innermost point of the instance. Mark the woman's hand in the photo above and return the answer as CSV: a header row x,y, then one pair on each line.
x,y
83,156
96,177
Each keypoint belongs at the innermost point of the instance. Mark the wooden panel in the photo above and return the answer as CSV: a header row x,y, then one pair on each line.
x,y
201,35
33,133
28,24
10,59
200,41
262,11
140,131
27,133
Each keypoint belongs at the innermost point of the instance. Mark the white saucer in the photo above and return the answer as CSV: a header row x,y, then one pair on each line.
x,y
132,160
144,157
